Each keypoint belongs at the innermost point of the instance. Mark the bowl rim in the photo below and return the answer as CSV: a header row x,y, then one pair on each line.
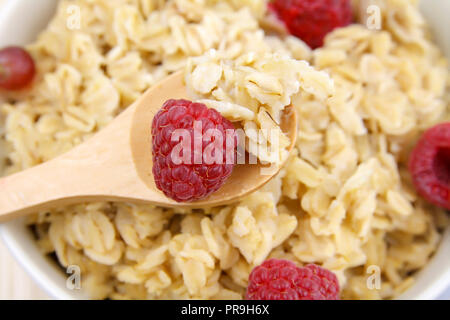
x,y
431,281
52,280
40,268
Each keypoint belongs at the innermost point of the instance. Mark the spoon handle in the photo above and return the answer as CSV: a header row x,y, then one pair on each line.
x,y
101,169
39,188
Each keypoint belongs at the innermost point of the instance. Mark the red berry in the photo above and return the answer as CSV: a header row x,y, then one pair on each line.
x,y
183,173
16,68
283,280
429,165
312,20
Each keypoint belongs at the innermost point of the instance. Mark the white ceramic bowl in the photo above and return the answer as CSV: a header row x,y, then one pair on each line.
x,y
21,21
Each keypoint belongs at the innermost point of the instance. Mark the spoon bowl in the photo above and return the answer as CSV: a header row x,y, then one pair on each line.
x,y
245,177
116,165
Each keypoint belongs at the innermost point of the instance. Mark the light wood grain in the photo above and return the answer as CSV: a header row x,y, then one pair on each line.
x,y
15,283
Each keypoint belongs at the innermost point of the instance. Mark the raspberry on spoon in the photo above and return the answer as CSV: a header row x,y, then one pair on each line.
x,y
312,20
429,165
283,280
17,68
197,177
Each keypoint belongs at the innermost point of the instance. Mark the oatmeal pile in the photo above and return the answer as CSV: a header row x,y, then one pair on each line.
x,y
344,200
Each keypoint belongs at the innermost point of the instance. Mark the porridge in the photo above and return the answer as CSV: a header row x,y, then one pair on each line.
x,y
344,200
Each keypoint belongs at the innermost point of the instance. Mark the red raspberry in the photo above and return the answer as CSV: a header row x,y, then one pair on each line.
x,y
17,68
283,280
197,177
312,20
429,165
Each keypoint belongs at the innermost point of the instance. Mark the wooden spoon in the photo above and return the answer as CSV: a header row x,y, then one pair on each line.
x,y
116,165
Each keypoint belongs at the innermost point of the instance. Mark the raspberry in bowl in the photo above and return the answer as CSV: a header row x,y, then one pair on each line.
x,y
312,20
17,68
277,279
429,165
